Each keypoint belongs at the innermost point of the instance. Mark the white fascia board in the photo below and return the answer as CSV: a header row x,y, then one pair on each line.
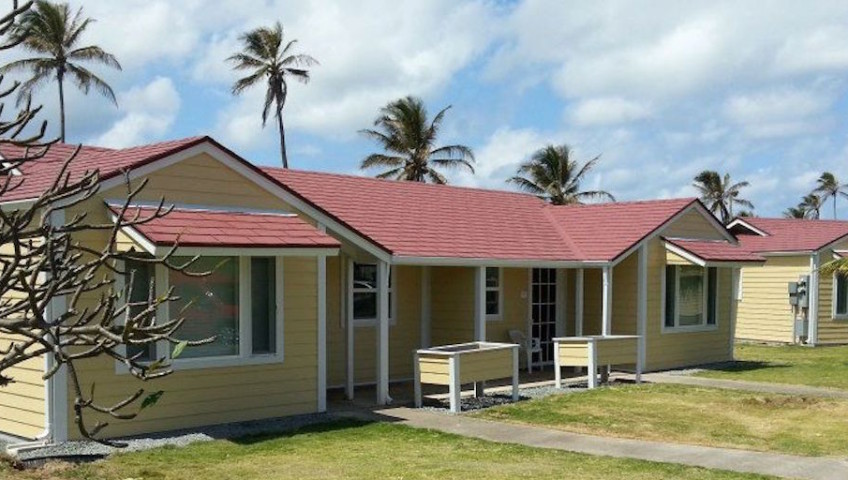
x,y
247,251
747,225
687,255
492,262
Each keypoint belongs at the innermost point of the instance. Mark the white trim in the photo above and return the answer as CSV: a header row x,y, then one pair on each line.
x,y
493,262
322,333
383,333
813,309
736,289
499,289
642,304
455,387
56,416
835,300
199,207
578,302
606,302
700,262
372,322
480,316
738,221
426,308
350,328
704,326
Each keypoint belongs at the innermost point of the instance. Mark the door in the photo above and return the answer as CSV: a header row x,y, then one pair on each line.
x,y
543,313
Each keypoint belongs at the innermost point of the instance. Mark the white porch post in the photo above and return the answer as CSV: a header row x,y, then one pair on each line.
x,y
480,304
642,309
322,333
813,295
426,321
383,333
606,313
578,303
349,330
734,304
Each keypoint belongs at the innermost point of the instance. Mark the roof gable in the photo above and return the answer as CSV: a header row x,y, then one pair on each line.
x,y
791,234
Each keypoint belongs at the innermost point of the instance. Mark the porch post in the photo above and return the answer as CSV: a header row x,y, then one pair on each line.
x,y
426,321
642,309
578,303
382,333
349,329
322,333
734,304
480,304
813,296
606,314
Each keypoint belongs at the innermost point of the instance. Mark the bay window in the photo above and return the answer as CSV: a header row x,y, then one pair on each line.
x,y
690,298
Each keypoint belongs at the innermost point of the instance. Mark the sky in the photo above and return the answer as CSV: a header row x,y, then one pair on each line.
x,y
659,89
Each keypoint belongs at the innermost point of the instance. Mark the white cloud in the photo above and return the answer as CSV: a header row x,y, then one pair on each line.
x,y
608,111
149,112
777,113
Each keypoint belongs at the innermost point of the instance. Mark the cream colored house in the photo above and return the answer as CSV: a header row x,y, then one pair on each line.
x,y
333,281
793,249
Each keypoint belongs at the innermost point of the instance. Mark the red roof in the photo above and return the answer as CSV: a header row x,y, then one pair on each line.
x,y
790,234
716,250
38,175
214,228
420,220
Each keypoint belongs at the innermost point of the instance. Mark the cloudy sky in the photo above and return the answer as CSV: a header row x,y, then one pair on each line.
x,y
659,89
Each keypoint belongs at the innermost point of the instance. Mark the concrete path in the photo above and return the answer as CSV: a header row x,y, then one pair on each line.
x,y
761,387
788,466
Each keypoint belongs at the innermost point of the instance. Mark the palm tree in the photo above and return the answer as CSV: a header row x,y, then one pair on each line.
x,y
553,175
811,204
720,195
408,138
51,30
829,187
795,212
266,59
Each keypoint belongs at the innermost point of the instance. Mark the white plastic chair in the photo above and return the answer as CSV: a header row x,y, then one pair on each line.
x,y
529,345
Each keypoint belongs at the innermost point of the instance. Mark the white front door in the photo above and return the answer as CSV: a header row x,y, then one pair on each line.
x,y
543,287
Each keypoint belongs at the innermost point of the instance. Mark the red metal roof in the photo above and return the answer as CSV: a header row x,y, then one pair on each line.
x,y
791,234
38,175
421,220
716,250
214,228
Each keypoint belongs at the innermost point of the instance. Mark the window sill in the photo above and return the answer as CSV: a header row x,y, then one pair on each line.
x,y
213,362
840,318
690,329
494,318
371,322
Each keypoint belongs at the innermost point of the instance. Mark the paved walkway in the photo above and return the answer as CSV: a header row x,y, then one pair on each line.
x,y
788,466
761,387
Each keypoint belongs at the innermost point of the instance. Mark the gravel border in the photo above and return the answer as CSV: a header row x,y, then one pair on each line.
x,y
495,399
89,451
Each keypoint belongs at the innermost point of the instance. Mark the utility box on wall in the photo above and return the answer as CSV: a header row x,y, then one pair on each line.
x,y
799,299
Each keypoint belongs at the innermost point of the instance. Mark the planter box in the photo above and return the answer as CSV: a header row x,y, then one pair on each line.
x,y
594,351
474,362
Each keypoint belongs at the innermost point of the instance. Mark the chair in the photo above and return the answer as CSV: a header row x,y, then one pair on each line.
x,y
529,345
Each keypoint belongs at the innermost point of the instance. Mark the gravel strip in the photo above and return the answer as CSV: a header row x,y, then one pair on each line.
x,y
488,400
85,450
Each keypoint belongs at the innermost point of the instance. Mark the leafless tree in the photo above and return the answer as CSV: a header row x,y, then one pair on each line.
x,y
41,260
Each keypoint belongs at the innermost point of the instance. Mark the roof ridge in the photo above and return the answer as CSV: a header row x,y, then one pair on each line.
x,y
687,200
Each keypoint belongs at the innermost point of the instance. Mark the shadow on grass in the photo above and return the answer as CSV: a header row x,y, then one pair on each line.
x,y
323,427
743,366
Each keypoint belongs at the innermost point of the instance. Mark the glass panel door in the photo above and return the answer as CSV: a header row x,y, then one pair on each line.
x,y
543,313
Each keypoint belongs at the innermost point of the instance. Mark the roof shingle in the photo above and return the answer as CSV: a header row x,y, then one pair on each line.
x,y
791,234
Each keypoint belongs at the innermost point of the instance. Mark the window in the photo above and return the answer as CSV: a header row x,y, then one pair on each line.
x,y
263,304
365,293
141,274
691,296
493,292
841,285
210,305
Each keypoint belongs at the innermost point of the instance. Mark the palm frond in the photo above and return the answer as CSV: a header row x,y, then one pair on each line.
x,y
526,185
595,195
380,160
95,54
85,79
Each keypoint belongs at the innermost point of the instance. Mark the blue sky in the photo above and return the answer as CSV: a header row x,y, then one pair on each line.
x,y
659,89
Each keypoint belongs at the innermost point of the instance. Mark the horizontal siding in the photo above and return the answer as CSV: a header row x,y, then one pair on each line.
x,y
831,330
764,313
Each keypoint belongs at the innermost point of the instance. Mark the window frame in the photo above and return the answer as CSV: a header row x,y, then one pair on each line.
x,y
372,322
245,324
494,317
835,300
704,326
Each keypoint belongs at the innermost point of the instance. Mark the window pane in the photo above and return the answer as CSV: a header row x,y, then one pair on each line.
x,y
364,305
841,294
492,277
670,294
493,303
691,296
364,275
263,304
141,274
212,306
712,279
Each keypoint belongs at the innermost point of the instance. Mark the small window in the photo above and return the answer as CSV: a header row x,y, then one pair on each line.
x,y
141,274
263,304
691,296
841,295
493,292
365,293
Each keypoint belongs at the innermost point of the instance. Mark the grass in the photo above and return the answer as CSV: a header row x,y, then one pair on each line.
x,y
694,415
368,451
791,364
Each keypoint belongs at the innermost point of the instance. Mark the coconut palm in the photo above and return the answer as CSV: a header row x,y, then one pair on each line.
x,y
408,139
720,195
553,175
829,187
811,204
795,212
267,60
53,32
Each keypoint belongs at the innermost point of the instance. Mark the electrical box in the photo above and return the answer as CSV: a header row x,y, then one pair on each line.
x,y
798,292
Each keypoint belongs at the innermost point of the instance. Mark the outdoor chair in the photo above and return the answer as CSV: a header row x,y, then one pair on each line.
x,y
530,346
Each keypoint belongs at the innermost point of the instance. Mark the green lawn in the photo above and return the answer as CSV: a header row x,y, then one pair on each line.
x,y
693,415
793,364
369,451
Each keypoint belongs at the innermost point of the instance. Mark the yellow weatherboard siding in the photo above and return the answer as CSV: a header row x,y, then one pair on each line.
x,y
672,258
831,330
764,313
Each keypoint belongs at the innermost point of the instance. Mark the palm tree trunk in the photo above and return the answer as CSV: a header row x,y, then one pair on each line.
x,y
282,128
60,77
834,207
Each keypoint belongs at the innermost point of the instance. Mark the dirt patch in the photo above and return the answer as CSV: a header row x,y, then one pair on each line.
x,y
782,401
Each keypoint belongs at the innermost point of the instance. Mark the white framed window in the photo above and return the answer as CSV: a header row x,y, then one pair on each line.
x,y
690,298
494,293
840,297
239,303
363,283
